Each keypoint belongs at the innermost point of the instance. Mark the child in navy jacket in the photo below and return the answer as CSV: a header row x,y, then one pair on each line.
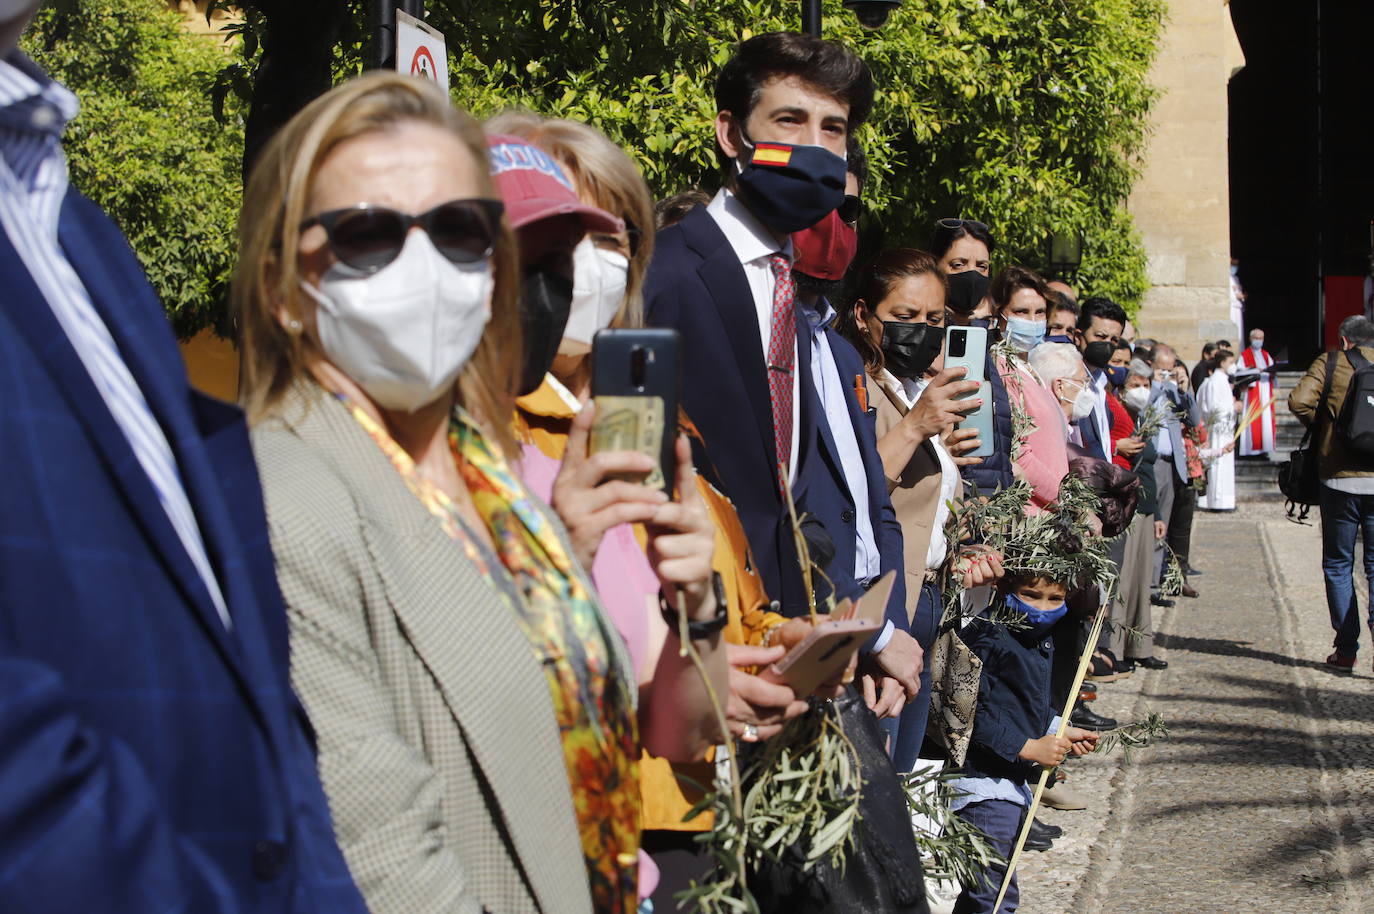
x,y
1014,727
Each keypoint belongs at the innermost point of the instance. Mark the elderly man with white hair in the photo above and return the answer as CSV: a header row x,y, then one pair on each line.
x,y
1061,369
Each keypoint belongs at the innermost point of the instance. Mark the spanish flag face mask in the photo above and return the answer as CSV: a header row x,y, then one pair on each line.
x,y
789,187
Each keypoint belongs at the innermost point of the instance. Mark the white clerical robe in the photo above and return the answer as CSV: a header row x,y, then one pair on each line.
x,y
1258,438
1218,408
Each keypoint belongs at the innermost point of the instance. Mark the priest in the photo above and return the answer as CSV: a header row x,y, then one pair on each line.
x,y
1257,438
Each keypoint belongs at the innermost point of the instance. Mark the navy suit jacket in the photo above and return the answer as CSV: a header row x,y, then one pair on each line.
x,y
1087,427
696,285
828,494
150,760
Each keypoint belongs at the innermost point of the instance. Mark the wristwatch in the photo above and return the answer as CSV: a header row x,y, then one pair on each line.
x,y
699,631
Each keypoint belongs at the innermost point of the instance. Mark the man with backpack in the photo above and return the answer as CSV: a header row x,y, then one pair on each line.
x,y
1335,399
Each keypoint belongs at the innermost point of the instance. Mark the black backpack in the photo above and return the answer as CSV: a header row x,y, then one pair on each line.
x,y
1298,479
1355,424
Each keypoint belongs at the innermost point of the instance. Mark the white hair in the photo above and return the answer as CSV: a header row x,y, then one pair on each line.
x,y
1257,333
1053,361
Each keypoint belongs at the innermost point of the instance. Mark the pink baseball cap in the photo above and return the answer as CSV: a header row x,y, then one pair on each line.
x,y
533,187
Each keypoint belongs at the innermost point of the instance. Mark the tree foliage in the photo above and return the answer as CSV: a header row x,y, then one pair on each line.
x,y
1027,114
146,146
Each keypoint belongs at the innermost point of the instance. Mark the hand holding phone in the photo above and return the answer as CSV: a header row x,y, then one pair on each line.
x,y
967,347
822,656
635,385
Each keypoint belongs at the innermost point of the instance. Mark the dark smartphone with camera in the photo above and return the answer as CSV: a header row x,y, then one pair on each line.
x,y
636,380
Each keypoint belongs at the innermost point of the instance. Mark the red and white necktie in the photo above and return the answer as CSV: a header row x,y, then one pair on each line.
x,y
782,356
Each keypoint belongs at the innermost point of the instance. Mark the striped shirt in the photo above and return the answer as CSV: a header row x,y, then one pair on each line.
x,y
34,112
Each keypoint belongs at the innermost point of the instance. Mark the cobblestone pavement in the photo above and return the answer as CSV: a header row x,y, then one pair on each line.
x,y
1262,799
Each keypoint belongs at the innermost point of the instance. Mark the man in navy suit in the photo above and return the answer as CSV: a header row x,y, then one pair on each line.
x,y
847,488
1100,324
152,754
786,104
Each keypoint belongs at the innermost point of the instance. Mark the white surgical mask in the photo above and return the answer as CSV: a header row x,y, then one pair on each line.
x,y
599,278
1231,370
1083,403
1138,397
1023,334
404,333
1257,345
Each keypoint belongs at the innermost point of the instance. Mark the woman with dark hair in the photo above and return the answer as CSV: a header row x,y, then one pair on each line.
x,y
962,244
897,323
963,249
1039,452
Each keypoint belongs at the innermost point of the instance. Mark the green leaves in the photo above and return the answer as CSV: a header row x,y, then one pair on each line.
x,y
147,146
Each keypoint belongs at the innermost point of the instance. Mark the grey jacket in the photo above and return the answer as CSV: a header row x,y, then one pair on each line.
x,y
438,746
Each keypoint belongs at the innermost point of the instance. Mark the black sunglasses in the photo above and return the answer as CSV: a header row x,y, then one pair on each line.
x,y
851,209
367,237
952,223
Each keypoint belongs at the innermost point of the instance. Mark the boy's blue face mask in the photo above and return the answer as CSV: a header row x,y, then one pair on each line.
x,y
1040,619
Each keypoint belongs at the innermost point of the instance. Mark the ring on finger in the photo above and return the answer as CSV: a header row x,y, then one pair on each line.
x,y
750,734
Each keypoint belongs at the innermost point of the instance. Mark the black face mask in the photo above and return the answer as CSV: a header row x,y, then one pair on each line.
x,y
545,301
966,290
908,349
1099,354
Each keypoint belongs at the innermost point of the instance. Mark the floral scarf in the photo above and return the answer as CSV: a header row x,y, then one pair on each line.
x,y
569,636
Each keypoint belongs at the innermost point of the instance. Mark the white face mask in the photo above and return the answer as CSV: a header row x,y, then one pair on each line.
x,y
1257,345
1231,370
1138,397
599,279
403,333
1083,403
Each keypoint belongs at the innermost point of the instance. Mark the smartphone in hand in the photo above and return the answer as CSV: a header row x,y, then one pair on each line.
x,y
635,384
968,347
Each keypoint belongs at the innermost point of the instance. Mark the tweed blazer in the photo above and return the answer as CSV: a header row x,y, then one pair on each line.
x,y
438,746
915,494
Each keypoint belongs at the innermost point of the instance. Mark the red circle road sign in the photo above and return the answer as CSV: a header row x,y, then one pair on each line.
x,y
423,65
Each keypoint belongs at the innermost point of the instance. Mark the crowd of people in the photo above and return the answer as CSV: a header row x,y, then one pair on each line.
x,y
413,642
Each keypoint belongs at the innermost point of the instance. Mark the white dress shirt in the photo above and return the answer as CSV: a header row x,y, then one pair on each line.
x,y
868,562
34,112
754,245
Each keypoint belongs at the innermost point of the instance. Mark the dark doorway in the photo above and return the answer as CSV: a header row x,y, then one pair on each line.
x,y
1302,144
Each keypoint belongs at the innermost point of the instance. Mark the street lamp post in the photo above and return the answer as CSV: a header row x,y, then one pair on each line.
x,y
1065,253
870,13
384,29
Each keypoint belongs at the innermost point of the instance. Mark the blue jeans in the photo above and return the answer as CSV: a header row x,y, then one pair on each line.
x,y
1000,820
1344,515
910,728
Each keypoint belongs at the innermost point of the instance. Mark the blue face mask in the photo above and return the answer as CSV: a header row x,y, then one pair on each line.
x,y
1040,620
790,188
1117,375
1058,338
1023,334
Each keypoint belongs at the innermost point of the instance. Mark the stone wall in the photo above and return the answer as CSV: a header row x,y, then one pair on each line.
x,y
1181,203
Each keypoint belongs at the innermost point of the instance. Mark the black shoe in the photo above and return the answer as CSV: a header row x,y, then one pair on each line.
x,y
1083,716
1125,665
1151,663
1161,601
1044,831
1037,844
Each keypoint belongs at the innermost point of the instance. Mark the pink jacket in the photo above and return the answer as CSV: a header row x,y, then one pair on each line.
x,y
1044,457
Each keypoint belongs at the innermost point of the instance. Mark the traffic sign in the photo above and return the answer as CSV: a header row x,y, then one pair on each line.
x,y
420,50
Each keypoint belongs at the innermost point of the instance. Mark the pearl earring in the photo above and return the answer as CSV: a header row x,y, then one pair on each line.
x,y
293,325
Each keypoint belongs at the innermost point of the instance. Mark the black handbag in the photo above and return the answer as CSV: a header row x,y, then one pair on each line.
x,y
1298,478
